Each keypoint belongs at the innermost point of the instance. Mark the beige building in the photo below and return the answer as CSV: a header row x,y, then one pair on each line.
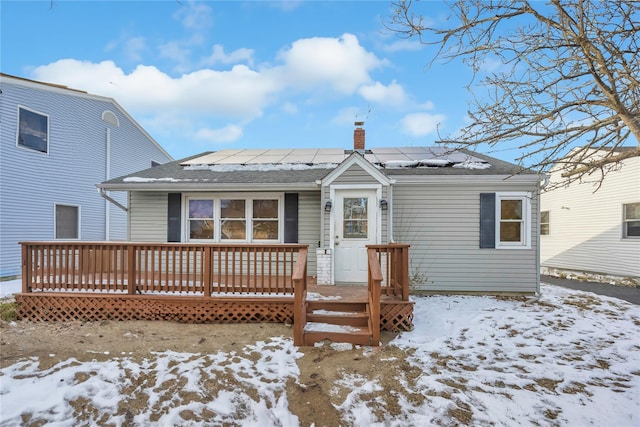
x,y
584,231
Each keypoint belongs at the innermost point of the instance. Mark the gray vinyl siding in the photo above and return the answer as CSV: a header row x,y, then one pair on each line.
x,y
148,216
441,223
586,233
355,175
309,226
148,220
32,182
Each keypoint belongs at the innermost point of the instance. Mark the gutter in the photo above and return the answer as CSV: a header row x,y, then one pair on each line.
x,y
207,186
104,194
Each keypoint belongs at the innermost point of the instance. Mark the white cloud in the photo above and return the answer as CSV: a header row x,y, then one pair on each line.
x,y
392,94
404,45
134,47
290,107
421,124
226,134
237,93
342,63
219,57
347,116
194,16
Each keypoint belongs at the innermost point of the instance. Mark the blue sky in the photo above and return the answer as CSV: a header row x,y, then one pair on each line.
x,y
201,76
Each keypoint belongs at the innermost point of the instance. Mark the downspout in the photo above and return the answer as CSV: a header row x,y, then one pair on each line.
x,y
390,215
104,194
107,173
543,184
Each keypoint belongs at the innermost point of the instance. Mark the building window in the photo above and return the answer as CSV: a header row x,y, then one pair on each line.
x,y
241,219
544,223
200,219
265,219
67,222
33,130
233,219
513,220
631,224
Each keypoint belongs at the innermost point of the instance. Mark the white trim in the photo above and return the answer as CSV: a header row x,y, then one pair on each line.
x,y
23,147
525,232
625,237
248,197
106,117
356,158
467,178
332,196
79,228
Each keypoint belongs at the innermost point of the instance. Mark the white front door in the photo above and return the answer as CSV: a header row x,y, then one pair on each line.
x,y
355,226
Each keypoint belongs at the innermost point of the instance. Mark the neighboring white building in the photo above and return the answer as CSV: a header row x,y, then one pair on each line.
x,y
56,144
591,232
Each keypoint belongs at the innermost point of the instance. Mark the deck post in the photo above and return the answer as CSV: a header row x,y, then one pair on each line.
x,y
375,279
207,279
26,268
131,276
299,278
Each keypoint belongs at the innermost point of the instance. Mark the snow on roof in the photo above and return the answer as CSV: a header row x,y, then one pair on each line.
x,y
260,167
329,158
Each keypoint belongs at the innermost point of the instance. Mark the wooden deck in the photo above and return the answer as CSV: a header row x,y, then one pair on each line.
x,y
211,284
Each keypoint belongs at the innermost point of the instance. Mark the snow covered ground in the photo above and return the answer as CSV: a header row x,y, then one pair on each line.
x,y
572,358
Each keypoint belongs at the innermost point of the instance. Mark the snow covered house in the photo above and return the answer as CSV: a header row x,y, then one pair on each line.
x,y
471,220
57,143
591,233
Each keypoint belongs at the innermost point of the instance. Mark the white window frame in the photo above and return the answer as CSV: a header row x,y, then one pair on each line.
x,y
248,198
55,221
625,220
24,147
548,223
525,231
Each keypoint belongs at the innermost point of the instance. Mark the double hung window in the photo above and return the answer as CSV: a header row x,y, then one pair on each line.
x,y
631,223
513,220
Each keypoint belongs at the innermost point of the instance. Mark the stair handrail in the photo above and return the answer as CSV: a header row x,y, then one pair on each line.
x,y
373,290
299,277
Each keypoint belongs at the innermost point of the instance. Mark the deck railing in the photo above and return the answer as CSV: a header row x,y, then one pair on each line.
x,y
167,268
394,264
299,298
373,294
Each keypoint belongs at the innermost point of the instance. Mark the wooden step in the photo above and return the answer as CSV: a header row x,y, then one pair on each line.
x,y
336,306
316,332
350,318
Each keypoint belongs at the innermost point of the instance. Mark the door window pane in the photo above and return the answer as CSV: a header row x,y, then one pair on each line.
x,y
355,218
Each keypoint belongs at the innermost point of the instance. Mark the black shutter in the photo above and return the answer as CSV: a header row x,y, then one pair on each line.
x,y
291,218
487,220
174,213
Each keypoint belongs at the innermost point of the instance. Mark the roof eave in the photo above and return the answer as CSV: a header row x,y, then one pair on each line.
x,y
207,186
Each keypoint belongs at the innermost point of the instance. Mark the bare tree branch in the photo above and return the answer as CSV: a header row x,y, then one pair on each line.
x,y
568,90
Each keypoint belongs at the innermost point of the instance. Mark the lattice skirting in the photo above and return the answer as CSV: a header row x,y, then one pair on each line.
x,y
57,307
397,316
